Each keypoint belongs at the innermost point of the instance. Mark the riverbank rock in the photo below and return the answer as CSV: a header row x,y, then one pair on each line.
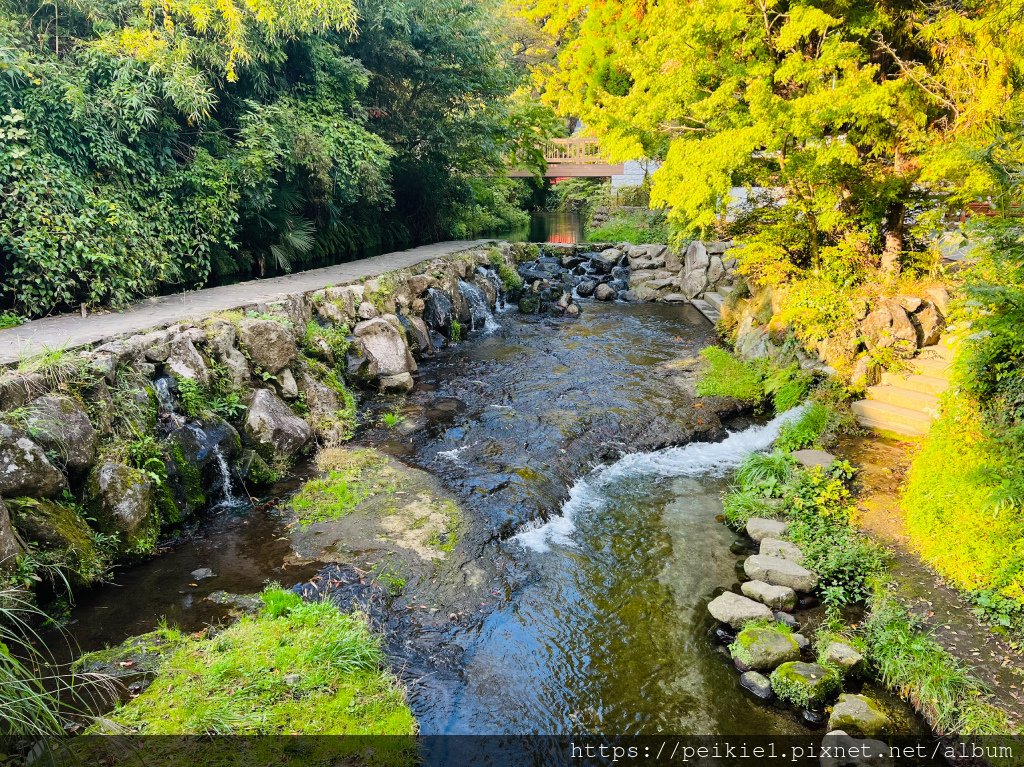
x,y
780,572
267,343
58,529
775,597
773,547
736,610
762,648
844,657
807,685
120,499
604,292
811,458
381,355
271,425
757,683
9,546
61,426
759,529
859,715
24,467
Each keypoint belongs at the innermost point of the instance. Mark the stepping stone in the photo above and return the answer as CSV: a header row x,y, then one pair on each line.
x,y
859,715
757,684
759,529
843,656
806,685
773,547
736,611
780,572
841,748
762,649
776,597
811,458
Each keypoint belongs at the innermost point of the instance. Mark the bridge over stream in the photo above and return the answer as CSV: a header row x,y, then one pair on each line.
x,y
575,157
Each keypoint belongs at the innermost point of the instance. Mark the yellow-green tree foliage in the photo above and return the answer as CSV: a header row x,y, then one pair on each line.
x,y
852,109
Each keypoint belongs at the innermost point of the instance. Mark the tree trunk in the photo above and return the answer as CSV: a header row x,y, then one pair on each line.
x,y
894,241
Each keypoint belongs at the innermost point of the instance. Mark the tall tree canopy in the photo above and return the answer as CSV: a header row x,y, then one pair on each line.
x,y
855,110
148,145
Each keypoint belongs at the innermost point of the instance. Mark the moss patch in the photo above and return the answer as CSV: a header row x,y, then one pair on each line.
x,y
807,685
59,536
726,376
352,477
298,667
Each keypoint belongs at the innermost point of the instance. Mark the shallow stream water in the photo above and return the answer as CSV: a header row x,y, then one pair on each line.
x,y
599,621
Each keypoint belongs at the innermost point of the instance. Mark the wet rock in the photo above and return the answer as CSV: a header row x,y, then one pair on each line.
x,y
787,620
811,458
24,467
776,597
438,311
802,642
758,684
807,685
243,603
843,657
759,529
762,649
586,287
193,465
418,334
779,572
859,715
604,292
9,546
202,574
61,426
120,500
735,610
721,634
272,425
268,343
841,750
772,547
401,382
606,260
813,717
49,526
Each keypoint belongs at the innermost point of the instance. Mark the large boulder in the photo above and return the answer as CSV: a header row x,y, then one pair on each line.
x,y
58,530
120,500
24,467
737,611
807,685
696,257
780,572
760,648
606,260
929,324
9,546
193,454
859,715
438,311
889,326
61,426
185,361
380,354
604,292
273,427
268,344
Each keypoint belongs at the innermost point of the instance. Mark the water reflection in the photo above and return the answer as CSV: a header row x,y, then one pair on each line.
x,y
549,226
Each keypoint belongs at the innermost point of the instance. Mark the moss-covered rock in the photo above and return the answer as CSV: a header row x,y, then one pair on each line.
x,y
60,425
762,648
59,532
9,546
24,467
121,500
859,715
805,684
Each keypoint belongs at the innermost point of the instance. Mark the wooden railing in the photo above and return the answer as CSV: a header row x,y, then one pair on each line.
x,y
577,150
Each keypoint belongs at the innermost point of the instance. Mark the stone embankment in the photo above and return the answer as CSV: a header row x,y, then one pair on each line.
x,y
761,627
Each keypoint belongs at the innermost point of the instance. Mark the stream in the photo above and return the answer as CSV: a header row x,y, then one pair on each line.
x,y
602,538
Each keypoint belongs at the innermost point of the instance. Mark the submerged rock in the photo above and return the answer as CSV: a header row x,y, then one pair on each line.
x,y
757,683
841,750
859,715
762,648
779,572
271,425
736,611
24,467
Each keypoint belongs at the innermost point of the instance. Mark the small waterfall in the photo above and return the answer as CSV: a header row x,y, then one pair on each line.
x,y
483,319
167,404
500,304
228,497
697,459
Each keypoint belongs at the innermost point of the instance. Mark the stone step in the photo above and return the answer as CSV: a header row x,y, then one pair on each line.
x,y
939,351
923,402
715,299
882,416
936,368
707,310
725,290
920,383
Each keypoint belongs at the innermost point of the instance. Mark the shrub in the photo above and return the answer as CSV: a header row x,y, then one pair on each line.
x,y
805,431
510,278
724,375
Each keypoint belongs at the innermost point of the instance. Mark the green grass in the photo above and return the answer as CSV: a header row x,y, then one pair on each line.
x,y
11,320
455,333
298,667
632,227
723,375
510,279
806,431
351,477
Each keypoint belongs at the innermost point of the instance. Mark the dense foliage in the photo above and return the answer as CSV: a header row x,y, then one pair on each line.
x,y
149,145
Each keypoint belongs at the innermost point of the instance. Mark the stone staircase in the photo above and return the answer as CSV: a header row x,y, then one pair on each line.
x,y
710,303
906,404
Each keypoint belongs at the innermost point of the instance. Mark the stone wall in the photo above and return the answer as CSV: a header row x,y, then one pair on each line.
x,y
101,450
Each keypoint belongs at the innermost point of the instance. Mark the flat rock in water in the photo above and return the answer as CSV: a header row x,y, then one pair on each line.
x,y
773,547
780,572
859,715
735,610
759,529
761,648
756,683
776,597
202,573
811,458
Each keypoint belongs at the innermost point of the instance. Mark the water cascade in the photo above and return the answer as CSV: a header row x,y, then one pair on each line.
x,y
483,318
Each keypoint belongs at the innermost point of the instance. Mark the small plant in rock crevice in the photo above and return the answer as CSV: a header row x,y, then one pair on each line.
x,y
392,419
